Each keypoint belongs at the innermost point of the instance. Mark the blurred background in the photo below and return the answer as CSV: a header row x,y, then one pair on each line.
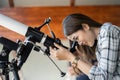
x,y
58,2
34,12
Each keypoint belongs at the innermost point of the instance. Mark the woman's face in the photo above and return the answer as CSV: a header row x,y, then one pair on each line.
x,y
83,37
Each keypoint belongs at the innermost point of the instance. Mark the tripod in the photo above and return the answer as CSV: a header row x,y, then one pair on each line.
x,y
6,66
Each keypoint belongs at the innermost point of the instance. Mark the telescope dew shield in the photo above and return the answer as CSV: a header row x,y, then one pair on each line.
x,y
13,25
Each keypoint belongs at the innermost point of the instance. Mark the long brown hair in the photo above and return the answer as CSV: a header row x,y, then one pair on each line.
x,y
73,23
88,52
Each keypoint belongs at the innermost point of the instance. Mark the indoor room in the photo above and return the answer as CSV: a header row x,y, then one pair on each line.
x,y
25,23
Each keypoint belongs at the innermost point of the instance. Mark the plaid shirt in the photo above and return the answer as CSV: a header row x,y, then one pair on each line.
x,y
108,54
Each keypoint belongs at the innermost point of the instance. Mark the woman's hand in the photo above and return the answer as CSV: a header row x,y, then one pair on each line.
x,y
61,53
71,71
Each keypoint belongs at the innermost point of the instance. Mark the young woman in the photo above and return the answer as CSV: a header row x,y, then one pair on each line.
x,y
85,31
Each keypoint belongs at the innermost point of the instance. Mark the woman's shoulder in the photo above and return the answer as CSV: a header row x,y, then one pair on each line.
x,y
109,29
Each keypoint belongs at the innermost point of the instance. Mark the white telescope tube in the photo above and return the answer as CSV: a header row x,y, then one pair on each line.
x,y
13,25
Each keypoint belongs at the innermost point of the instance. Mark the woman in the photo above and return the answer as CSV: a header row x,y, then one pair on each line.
x,y
85,31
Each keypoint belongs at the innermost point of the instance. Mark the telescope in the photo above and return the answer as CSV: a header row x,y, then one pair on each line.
x,y
33,36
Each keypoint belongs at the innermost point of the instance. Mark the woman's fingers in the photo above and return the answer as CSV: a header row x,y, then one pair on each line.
x,y
60,53
58,46
52,50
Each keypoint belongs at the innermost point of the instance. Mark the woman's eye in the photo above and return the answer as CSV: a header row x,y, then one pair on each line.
x,y
75,38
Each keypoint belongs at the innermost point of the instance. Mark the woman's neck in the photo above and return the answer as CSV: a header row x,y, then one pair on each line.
x,y
96,32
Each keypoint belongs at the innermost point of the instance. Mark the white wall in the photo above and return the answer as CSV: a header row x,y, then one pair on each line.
x,y
42,2
97,2
38,67
59,2
3,3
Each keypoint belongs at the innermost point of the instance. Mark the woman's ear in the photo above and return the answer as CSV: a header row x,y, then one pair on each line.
x,y
86,27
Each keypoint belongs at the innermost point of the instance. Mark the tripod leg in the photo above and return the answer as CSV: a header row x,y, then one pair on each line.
x,y
16,76
14,68
6,77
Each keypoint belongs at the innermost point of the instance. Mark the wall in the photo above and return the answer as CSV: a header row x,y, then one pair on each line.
x,y
3,3
97,2
59,2
38,66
